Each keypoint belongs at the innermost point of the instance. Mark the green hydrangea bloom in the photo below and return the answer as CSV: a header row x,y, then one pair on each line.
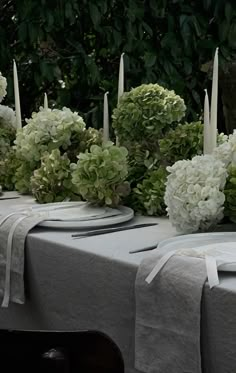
x,y
48,130
23,175
100,174
8,169
52,181
148,196
230,193
146,112
7,130
183,142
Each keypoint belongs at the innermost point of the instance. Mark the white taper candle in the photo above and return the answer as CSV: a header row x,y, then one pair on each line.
x,y
206,133
214,101
105,118
45,101
121,78
17,96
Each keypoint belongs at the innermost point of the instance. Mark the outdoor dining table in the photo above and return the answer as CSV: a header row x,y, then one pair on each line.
x,y
89,283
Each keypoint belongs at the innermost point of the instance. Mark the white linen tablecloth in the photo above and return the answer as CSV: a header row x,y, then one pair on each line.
x,y
90,284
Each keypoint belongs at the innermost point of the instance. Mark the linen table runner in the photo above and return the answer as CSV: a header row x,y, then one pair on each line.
x,y
167,330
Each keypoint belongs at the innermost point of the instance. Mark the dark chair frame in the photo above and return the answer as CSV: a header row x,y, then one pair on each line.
x,y
44,351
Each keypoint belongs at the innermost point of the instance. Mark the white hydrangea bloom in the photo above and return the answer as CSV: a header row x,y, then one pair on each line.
x,y
3,87
7,117
48,130
225,151
194,193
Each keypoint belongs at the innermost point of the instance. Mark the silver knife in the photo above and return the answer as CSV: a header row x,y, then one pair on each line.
x,y
98,232
148,248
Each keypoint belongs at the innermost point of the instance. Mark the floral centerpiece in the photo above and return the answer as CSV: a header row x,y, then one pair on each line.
x,y
52,182
100,174
195,193
47,130
3,87
7,121
7,128
201,191
142,118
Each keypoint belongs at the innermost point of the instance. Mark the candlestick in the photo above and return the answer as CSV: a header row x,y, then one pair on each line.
x,y
17,96
105,118
121,78
214,101
45,101
207,134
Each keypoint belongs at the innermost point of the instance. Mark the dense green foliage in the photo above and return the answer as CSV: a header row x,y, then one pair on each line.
x,y
149,194
71,49
183,142
230,193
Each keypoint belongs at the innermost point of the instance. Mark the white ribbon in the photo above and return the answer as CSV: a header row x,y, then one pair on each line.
x,y
159,266
6,296
41,217
212,272
211,267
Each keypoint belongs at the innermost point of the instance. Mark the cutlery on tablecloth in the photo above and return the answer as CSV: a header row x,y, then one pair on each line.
x,y
111,230
3,198
148,248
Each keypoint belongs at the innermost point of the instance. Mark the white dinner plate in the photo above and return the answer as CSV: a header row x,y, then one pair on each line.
x,y
223,241
86,216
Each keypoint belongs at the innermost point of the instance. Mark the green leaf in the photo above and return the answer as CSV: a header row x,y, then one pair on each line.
x,y
232,36
94,14
22,32
228,11
150,59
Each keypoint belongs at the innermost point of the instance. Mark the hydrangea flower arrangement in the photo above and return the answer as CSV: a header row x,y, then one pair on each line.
x,y
48,130
230,193
100,174
148,195
146,112
52,181
183,142
3,87
7,135
195,193
8,169
7,129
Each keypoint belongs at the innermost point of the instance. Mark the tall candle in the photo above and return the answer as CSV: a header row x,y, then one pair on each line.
x,y
105,118
121,78
45,101
206,133
17,96
214,101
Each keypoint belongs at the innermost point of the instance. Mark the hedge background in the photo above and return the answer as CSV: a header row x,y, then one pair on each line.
x,y
71,49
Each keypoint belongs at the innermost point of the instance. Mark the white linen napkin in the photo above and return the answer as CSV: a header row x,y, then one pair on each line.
x,y
13,232
168,313
218,256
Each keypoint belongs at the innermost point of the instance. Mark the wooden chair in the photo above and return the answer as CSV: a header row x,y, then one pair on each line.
x,y
59,352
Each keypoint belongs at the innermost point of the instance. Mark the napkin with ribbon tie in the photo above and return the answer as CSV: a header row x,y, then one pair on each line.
x,y
14,228
168,305
168,313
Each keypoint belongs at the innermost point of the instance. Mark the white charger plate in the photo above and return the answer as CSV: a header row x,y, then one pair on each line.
x,y
197,240
76,218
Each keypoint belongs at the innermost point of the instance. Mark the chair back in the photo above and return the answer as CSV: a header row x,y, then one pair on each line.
x,y
43,351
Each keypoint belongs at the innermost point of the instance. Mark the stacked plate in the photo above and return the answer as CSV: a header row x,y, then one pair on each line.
x,y
221,244
74,215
